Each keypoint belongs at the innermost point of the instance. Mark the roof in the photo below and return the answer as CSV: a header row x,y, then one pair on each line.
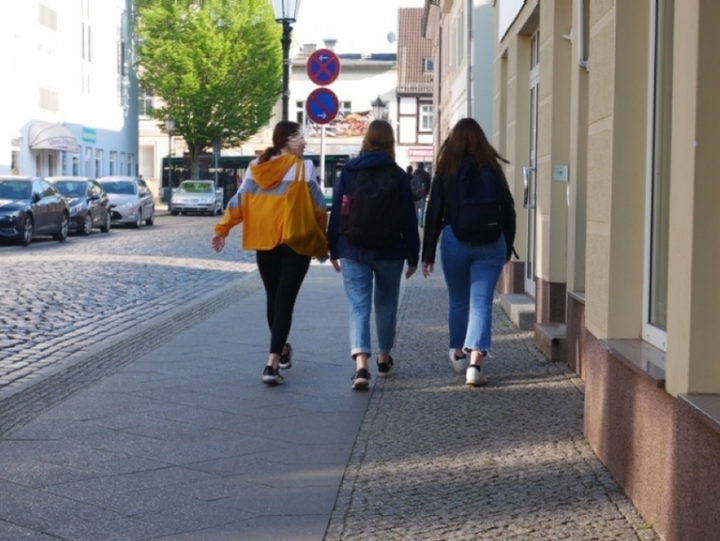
x,y
413,50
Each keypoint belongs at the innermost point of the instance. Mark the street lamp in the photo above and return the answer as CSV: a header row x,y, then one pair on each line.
x,y
378,107
170,127
286,13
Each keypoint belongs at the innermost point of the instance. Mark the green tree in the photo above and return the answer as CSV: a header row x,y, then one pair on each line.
x,y
216,64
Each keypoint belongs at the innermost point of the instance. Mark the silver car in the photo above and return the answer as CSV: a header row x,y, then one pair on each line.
x,y
131,201
196,196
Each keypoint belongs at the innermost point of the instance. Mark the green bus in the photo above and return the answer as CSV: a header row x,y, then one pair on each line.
x,y
231,170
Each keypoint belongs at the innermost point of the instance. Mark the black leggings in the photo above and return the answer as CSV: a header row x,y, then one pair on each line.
x,y
282,271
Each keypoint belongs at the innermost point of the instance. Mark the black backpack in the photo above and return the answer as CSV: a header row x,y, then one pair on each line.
x,y
418,187
476,208
370,215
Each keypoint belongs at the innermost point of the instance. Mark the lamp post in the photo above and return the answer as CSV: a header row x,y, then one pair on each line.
x,y
170,127
286,13
378,107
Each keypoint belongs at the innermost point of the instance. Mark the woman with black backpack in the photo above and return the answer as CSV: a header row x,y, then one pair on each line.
x,y
373,232
472,208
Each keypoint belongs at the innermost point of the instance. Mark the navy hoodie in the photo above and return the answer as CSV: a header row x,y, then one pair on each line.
x,y
408,244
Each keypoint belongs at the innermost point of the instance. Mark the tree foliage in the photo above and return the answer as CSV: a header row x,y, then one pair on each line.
x,y
216,65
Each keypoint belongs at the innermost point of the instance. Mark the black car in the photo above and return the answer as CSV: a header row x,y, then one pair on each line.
x,y
31,207
88,203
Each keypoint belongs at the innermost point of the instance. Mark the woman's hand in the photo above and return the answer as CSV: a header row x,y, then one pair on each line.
x,y
217,242
410,271
335,264
427,269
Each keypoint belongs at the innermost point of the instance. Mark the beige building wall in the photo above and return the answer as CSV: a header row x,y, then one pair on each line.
x,y
617,148
694,293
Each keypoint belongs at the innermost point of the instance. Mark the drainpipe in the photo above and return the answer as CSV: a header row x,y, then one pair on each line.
x,y
580,24
469,59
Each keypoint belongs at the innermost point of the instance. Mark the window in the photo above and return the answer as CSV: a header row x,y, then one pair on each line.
x,y
98,162
111,163
88,162
428,65
426,117
76,165
131,165
659,140
145,103
344,108
300,113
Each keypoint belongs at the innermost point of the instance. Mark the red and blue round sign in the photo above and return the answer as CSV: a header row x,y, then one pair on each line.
x,y
323,67
322,105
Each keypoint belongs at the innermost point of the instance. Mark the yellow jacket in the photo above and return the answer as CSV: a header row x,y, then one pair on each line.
x,y
260,202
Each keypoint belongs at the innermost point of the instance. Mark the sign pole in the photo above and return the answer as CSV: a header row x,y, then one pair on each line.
x,y
322,155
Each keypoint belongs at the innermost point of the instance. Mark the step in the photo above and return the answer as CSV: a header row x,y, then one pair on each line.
x,y
520,308
551,340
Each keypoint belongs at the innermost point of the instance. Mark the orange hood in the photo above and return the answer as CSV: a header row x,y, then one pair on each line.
x,y
269,174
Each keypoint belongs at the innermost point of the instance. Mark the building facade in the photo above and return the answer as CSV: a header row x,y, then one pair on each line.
x,y
69,101
608,114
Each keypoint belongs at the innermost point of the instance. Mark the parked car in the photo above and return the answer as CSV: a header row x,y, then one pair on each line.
x,y
31,207
88,203
196,196
131,201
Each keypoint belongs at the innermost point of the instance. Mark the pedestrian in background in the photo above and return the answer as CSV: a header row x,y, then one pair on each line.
x,y
260,204
372,232
424,177
467,161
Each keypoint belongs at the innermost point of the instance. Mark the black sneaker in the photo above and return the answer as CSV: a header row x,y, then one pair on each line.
x,y
286,358
271,376
384,369
361,380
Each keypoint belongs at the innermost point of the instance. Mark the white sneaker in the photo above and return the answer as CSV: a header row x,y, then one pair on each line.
x,y
459,365
474,376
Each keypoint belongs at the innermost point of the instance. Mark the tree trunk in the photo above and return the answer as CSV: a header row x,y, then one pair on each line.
x,y
194,151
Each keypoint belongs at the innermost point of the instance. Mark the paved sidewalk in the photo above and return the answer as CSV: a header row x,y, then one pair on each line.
x,y
184,443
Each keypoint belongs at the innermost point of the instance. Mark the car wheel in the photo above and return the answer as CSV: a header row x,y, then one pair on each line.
x,y
105,228
62,234
151,219
174,212
26,231
138,220
87,225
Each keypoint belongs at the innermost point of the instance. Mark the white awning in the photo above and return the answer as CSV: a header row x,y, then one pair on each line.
x,y
48,136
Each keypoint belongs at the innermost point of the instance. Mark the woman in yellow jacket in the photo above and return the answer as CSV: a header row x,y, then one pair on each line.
x,y
261,204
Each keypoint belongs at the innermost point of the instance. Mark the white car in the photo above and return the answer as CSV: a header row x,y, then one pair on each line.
x,y
196,196
131,201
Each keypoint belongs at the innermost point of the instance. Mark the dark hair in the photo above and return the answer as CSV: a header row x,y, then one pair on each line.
x,y
379,136
466,141
409,170
282,132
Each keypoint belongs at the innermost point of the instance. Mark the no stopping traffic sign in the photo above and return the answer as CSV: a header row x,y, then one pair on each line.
x,y
322,105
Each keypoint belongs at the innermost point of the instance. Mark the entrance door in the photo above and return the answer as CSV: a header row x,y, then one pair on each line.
x,y
530,172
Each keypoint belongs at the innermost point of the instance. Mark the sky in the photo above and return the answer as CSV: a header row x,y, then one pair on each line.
x,y
359,26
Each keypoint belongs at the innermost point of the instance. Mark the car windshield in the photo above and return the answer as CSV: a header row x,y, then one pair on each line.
x,y
196,187
15,189
123,187
70,188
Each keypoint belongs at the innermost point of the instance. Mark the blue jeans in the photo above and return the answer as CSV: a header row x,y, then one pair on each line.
x,y
471,274
358,279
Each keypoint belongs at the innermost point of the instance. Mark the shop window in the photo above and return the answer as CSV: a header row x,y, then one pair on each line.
x,y
659,133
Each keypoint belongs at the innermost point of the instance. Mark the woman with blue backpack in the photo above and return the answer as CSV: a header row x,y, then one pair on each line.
x,y
472,212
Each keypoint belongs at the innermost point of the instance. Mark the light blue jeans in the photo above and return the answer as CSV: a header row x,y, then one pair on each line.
x,y
471,274
359,278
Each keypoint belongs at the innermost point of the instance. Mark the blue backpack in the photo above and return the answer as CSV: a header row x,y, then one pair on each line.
x,y
475,207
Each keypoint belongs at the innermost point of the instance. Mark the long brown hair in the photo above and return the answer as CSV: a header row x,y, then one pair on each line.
x,y
466,141
283,131
379,136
